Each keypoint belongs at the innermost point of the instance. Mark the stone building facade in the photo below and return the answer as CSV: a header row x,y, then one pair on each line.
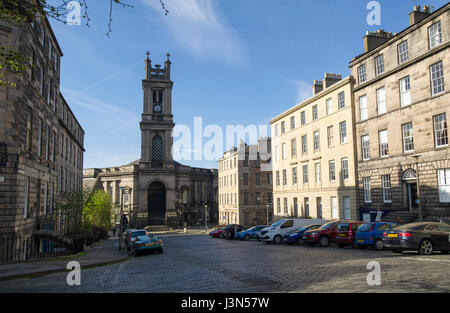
x,y
245,185
314,161
161,190
403,106
41,141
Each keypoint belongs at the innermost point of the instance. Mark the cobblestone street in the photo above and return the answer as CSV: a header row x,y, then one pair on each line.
x,y
197,263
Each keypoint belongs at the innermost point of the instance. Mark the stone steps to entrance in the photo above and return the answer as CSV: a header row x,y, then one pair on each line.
x,y
157,228
405,216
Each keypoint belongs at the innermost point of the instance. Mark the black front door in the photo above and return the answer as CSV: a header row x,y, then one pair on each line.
x,y
157,204
412,196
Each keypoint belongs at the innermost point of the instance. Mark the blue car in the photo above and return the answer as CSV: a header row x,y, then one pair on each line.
x,y
146,243
296,235
371,234
251,233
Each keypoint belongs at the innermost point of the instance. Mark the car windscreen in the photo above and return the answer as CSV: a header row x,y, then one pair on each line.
x,y
277,223
138,233
413,226
365,227
327,225
142,238
344,227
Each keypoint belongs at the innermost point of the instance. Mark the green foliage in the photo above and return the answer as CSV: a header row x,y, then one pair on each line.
x,y
70,207
97,210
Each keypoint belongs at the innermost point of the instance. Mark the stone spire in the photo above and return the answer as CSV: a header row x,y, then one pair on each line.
x,y
167,66
148,66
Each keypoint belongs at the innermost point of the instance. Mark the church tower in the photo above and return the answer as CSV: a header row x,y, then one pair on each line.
x,y
157,119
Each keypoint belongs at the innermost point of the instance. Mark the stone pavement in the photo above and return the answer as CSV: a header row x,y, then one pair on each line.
x,y
102,253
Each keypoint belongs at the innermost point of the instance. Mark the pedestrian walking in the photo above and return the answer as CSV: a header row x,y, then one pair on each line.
x,y
114,231
379,214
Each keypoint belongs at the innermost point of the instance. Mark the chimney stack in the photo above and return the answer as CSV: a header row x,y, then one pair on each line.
x,y
418,15
317,87
331,79
375,39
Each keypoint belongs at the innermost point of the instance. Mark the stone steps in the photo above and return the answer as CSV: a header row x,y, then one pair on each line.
x,y
405,216
157,228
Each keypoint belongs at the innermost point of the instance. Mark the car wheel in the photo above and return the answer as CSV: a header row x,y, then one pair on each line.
x,y
247,237
323,241
135,253
378,244
340,245
426,247
277,239
299,241
397,250
290,243
161,250
355,245
444,251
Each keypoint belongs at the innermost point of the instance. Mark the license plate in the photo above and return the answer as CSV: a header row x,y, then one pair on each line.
x,y
392,235
360,240
341,235
149,244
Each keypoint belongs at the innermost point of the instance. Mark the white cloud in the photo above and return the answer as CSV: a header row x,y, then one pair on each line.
x,y
304,90
198,26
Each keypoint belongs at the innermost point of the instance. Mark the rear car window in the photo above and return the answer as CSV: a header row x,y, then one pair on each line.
x,y
138,233
343,227
384,227
364,227
288,223
355,226
444,228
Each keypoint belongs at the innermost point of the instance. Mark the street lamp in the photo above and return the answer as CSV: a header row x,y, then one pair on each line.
x,y
206,217
121,219
267,214
419,209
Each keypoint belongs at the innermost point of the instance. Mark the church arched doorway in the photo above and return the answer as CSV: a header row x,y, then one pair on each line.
x,y
157,204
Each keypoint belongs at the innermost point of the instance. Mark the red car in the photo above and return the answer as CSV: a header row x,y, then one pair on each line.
x,y
218,233
346,232
323,235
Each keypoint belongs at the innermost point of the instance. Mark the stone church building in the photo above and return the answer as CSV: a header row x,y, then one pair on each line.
x,y
156,190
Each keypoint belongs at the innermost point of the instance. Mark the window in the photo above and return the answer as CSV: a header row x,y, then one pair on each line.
x,y
26,197
269,178
403,52
246,197
39,136
365,147
292,122
306,204
47,142
304,145
444,185
381,100
283,151
316,141
437,78
277,177
440,130
277,154
330,137
245,179
329,106
362,74
275,130
407,134
405,91
29,132
278,205
285,206
315,113
347,212
343,131
332,167
294,176
344,169
157,149
384,147
53,146
284,178
305,174
317,171
294,148
257,179
258,198
283,128
435,35
269,198
379,64
341,100
302,118
334,208
387,192
367,190
363,111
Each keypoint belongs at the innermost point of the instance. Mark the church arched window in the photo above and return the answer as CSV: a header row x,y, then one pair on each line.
x,y
157,149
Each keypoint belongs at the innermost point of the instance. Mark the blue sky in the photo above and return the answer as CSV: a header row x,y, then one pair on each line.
x,y
233,61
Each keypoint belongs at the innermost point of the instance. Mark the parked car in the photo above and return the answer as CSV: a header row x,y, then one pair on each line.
x,y
125,235
297,235
276,231
251,233
214,230
425,237
346,231
218,233
231,230
146,243
323,236
132,235
371,234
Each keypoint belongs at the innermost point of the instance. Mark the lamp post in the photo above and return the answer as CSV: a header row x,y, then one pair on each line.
x,y
206,217
121,219
267,214
419,208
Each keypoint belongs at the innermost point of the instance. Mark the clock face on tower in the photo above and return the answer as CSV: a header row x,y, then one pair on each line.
x,y
157,108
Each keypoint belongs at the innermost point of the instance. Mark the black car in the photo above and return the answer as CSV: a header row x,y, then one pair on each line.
x,y
424,237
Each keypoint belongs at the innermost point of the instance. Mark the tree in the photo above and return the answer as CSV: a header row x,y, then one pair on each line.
x,y
97,210
20,12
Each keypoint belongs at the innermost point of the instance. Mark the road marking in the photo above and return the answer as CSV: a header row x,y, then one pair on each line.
x,y
422,259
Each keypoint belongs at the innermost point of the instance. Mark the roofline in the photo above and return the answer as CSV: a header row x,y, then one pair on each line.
x,y
337,85
74,116
400,34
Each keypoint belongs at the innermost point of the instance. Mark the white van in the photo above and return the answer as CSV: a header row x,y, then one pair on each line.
x,y
274,233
